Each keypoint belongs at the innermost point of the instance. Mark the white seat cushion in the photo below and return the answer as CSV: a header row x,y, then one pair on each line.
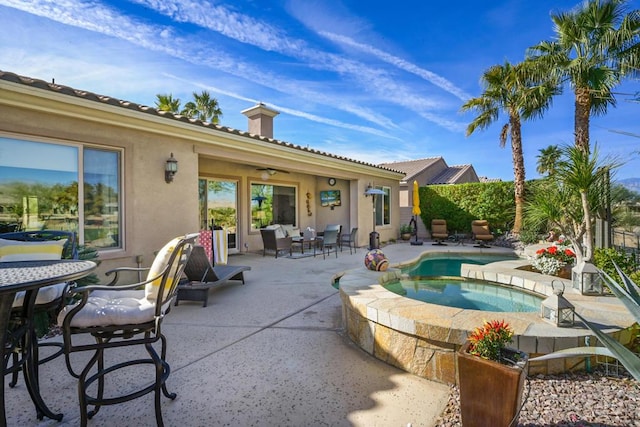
x,y
45,295
105,308
290,230
279,231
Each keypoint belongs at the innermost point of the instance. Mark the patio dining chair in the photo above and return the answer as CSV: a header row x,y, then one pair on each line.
x,y
329,242
124,316
36,246
349,240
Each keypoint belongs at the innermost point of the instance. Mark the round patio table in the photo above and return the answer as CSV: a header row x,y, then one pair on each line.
x,y
30,276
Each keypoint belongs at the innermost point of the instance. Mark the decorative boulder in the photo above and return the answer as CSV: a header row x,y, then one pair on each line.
x,y
376,260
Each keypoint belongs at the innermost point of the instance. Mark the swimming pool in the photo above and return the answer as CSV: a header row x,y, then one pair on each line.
x,y
449,264
467,294
435,279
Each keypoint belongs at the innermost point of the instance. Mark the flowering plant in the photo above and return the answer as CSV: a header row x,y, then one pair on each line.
x,y
550,260
490,340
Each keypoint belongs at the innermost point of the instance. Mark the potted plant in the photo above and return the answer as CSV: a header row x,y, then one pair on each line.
x,y
490,376
405,231
555,260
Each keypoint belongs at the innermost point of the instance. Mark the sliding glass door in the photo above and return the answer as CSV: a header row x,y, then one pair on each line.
x,y
219,208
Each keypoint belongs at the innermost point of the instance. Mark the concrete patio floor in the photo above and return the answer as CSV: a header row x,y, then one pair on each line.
x,y
268,353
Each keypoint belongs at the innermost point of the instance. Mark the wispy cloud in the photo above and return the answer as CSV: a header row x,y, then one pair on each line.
x,y
291,111
400,63
191,49
265,36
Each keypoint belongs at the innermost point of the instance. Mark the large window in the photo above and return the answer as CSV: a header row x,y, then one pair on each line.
x,y
39,189
272,204
383,206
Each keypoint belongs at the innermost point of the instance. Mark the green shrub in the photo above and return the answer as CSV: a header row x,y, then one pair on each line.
x,y
604,259
528,236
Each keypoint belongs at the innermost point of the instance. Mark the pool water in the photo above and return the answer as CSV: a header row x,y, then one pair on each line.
x,y
436,279
467,294
448,264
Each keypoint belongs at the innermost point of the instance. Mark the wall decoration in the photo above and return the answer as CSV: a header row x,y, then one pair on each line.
x,y
330,198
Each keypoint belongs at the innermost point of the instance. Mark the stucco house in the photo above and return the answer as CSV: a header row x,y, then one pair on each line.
x,y
91,163
428,171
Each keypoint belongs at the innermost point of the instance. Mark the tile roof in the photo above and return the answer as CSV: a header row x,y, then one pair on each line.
x,y
450,175
411,167
487,179
90,96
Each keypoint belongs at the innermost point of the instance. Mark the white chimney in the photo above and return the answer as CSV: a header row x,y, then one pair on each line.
x,y
260,119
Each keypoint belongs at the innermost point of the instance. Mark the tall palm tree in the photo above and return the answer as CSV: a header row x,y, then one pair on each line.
x,y
203,107
548,160
597,46
509,89
166,102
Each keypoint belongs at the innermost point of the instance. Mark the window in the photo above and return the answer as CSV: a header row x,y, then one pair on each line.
x,y
383,206
272,204
102,221
39,188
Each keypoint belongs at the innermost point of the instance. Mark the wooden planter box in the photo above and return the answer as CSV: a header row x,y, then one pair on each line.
x,y
490,392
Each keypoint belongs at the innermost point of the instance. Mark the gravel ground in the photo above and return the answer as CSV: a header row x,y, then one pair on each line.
x,y
571,400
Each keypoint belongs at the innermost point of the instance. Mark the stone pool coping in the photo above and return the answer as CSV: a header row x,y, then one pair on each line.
x,y
422,338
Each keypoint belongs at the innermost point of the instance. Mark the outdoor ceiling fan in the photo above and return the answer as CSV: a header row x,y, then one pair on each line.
x,y
271,171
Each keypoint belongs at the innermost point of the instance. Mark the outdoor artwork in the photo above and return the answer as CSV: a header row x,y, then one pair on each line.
x,y
330,198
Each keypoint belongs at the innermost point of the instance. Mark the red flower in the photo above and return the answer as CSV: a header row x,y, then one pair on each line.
x,y
540,251
569,252
552,250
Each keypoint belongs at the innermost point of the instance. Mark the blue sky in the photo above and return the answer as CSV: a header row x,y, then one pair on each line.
x,y
373,81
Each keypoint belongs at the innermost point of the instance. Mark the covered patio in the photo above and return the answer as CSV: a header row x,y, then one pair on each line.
x,y
270,352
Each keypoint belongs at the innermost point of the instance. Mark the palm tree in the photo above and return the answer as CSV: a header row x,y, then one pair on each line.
x,y
509,88
597,46
203,107
548,160
167,103
571,197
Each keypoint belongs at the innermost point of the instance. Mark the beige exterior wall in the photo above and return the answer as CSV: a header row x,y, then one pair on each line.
x,y
154,211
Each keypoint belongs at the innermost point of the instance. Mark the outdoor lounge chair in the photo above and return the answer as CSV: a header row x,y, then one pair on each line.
x,y
202,276
481,233
272,242
123,316
439,231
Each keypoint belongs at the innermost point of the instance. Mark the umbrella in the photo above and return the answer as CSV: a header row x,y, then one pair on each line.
x,y
415,211
416,199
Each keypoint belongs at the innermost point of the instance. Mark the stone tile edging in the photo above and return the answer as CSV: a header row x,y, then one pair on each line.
x,y
422,338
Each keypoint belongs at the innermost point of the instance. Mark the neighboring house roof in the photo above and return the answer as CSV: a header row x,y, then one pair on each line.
x,y
90,96
487,179
411,168
451,175
448,175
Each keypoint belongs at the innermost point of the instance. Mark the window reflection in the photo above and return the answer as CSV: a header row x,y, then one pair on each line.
x,y
38,186
383,207
39,190
272,204
101,198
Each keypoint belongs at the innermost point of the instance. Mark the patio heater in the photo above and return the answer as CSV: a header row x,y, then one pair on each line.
x,y
374,237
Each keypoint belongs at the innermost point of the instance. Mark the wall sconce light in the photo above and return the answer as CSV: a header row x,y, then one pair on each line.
x,y
170,169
